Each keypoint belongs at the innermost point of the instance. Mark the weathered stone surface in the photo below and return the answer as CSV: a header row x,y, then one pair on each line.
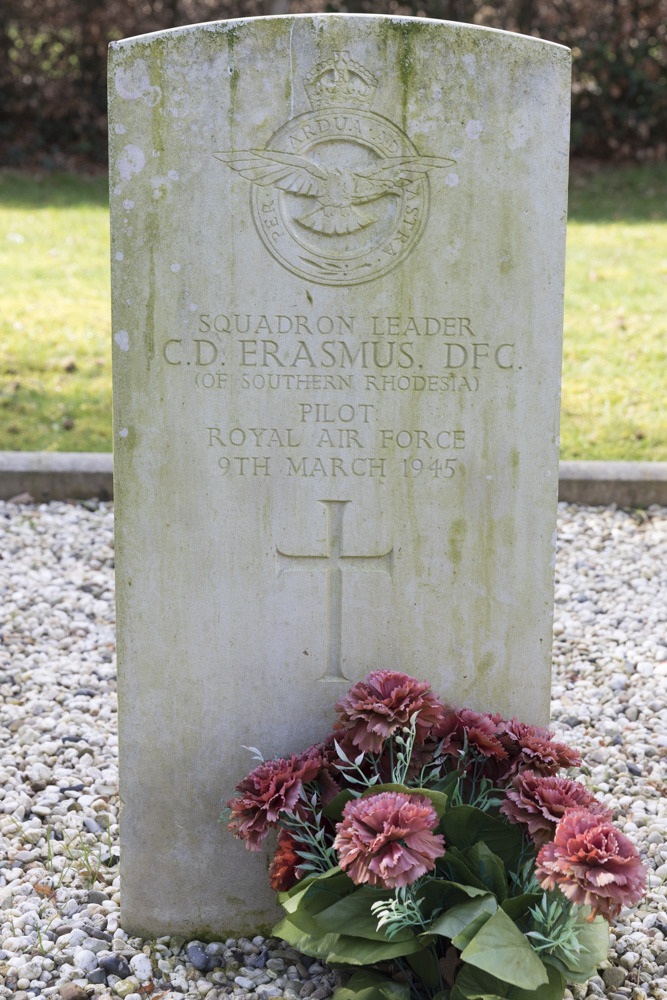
x,y
338,269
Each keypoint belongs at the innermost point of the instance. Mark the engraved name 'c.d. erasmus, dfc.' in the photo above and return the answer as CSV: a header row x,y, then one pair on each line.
x,y
362,216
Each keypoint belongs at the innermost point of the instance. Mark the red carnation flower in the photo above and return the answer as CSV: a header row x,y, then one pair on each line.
x,y
384,702
387,839
323,756
540,802
463,727
284,870
593,864
535,748
272,788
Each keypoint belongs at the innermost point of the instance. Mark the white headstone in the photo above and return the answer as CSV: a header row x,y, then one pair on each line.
x,y
338,251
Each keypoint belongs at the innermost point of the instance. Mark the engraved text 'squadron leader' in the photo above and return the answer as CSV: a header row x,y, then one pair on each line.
x,y
337,257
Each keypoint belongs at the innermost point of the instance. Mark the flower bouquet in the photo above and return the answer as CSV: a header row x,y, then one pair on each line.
x,y
438,852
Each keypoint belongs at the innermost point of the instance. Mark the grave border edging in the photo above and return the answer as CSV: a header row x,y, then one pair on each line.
x,y
52,475
56,475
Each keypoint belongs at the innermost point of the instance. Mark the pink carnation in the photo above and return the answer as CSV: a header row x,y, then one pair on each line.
x,y
384,702
387,839
272,788
535,748
323,756
477,730
593,864
540,802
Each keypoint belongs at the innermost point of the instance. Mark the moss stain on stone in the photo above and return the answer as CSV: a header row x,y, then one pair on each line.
x,y
514,466
149,328
154,51
157,110
234,74
483,669
455,539
487,564
405,72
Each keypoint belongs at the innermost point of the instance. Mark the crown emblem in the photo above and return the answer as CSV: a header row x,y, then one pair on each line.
x,y
340,82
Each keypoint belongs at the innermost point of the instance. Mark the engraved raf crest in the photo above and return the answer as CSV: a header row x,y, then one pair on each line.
x,y
339,194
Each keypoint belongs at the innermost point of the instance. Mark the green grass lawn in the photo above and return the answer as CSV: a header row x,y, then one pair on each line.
x,y
615,344
55,359
55,344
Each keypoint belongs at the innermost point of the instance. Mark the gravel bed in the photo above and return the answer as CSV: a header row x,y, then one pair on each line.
x,y
60,928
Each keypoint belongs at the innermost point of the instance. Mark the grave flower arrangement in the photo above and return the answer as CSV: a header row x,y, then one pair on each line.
x,y
440,853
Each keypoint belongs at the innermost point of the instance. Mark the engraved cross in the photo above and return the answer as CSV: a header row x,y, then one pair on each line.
x,y
333,562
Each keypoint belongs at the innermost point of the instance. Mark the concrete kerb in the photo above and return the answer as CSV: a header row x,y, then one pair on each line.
x,y
52,475
40,476
627,484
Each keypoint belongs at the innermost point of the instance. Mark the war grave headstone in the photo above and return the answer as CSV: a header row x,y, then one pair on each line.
x,y
338,255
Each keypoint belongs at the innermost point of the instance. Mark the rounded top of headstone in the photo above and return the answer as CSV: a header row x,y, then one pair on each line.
x,y
364,20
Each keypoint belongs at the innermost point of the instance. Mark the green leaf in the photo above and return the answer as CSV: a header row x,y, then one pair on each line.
x,y
304,918
478,866
446,783
456,918
502,950
368,984
352,916
554,962
473,984
466,825
594,943
358,951
318,892
334,810
340,948
456,866
517,907
298,887
594,937
458,994
318,945
388,786
439,894
489,867
301,927
470,931
309,856
425,964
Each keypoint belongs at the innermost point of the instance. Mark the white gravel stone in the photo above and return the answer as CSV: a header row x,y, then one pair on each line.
x,y
141,967
58,751
85,960
126,987
244,982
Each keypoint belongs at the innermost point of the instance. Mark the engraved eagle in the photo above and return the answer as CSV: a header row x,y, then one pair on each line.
x,y
336,191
